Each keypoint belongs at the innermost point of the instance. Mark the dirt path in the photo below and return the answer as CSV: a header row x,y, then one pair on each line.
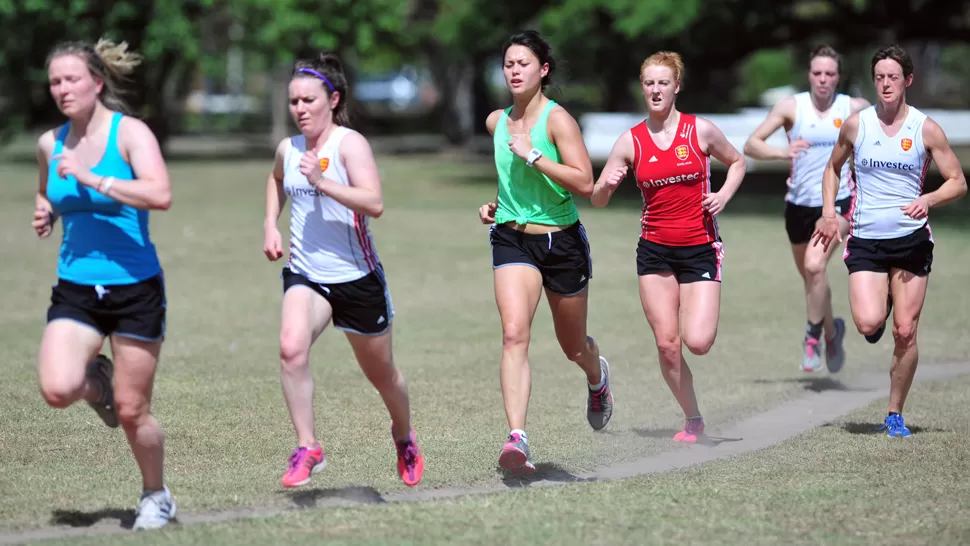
x,y
756,432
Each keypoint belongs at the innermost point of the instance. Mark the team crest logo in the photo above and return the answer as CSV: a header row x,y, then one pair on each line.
x,y
838,123
324,163
906,143
681,152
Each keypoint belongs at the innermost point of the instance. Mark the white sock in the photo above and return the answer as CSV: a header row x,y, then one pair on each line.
x,y
599,386
521,434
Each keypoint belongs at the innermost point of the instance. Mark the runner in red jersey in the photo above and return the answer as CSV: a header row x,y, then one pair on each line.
x,y
679,255
674,181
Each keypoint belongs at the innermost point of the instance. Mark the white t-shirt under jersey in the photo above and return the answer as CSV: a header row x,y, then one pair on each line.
x,y
889,174
329,243
805,181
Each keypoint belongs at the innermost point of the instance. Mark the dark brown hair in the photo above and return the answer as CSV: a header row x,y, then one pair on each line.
x,y
327,68
539,47
896,53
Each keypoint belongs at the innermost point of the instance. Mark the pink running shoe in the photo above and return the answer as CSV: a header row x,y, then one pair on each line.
x,y
304,462
410,461
692,429
515,456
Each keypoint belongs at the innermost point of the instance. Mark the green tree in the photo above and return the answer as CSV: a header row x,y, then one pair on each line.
x,y
282,30
164,32
764,69
606,40
459,38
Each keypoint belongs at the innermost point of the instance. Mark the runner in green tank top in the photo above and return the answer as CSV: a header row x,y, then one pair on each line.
x,y
537,240
526,194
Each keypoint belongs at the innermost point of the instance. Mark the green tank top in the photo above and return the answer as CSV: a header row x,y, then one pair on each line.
x,y
525,195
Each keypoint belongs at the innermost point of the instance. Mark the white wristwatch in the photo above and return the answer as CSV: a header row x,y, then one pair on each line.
x,y
534,154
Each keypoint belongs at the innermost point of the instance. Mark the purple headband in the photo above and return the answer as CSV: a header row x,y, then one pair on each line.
x,y
319,75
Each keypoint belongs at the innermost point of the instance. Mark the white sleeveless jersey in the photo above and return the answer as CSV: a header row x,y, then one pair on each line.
x,y
805,180
329,243
889,175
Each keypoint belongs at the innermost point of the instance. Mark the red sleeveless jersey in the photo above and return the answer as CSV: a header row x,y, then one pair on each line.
x,y
673,183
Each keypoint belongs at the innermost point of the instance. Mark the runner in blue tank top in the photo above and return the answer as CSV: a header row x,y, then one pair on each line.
x,y
101,173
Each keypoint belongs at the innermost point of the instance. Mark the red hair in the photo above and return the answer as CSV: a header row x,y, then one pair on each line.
x,y
670,59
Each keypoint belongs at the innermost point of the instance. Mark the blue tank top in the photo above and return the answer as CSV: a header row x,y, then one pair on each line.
x,y
105,242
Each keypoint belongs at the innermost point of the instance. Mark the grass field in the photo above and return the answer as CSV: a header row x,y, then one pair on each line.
x,y
840,484
228,435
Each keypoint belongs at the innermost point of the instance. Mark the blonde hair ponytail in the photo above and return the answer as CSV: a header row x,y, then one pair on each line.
x,y
107,61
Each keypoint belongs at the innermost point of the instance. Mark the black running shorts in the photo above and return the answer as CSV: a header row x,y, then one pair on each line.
x,y
687,263
561,257
800,221
134,310
362,306
913,253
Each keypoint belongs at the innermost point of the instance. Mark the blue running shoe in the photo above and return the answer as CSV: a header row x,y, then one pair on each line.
x,y
895,426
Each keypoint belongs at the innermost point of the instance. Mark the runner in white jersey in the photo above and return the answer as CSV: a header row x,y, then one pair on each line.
x,y
333,273
889,252
329,242
812,120
818,129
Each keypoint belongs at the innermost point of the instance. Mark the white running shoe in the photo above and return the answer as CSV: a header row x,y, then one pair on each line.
x,y
155,510
811,357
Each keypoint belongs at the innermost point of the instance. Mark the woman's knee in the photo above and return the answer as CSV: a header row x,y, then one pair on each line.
x,y
62,361
294,348
384,376
574,349
868,323
700,343
61,386
132,408
515,335
58,393
669,349
814,268
904,333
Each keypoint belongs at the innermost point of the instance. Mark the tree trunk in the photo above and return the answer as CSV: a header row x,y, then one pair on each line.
x,y
154,98
617,56
279,113
454,79
926,66
617,78
481,98
709,87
